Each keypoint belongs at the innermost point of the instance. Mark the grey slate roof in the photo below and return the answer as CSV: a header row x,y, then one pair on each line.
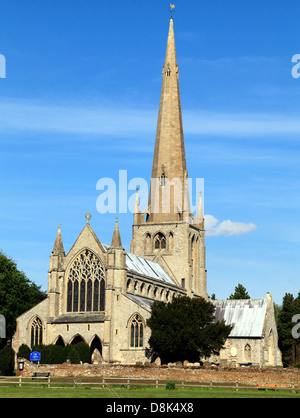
x,y
78,318
140,300
145,267
247,316
148,268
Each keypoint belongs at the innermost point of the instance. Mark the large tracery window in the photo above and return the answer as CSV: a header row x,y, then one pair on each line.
x,y
136,332
86,284
36,332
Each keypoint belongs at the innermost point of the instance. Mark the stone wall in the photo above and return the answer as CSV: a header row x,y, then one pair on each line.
x,y
249,374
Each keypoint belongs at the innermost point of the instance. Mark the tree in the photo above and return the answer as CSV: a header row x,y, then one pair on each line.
x,y
17,293
240,292
184,329
289,346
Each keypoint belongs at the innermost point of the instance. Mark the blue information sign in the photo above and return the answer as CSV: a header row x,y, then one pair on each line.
x,y
35,356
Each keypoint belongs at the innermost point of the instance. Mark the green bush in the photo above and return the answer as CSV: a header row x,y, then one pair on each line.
x,y
45,351
297,365
74,356
170,386
84,352
57,355
67,350
24,352
7,361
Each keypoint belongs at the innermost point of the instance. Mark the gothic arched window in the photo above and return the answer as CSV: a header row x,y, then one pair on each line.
x,y
148,244
136,332
247,352
160,242
36,332
86,284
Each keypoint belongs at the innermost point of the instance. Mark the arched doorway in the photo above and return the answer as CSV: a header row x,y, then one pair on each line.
x,y
96,350
60,341
78,339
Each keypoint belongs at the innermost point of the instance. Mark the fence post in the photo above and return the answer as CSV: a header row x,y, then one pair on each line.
x,y
237,386
49,378
74,382
156,384
128,383
20,381
211,384
103,382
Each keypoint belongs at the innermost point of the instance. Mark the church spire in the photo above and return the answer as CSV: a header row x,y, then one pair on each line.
x,y
169,173
58,245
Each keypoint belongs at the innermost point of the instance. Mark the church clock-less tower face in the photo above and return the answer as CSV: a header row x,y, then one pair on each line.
x,y
166,231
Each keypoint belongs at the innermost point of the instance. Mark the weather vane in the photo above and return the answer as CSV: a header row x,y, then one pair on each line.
x,y
172,7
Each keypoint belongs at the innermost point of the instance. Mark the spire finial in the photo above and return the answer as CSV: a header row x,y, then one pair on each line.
x,y
88,217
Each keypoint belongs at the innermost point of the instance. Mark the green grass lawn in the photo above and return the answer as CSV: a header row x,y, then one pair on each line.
x,y
149,392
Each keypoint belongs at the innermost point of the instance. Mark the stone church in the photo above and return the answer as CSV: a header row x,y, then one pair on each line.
x,y
102,294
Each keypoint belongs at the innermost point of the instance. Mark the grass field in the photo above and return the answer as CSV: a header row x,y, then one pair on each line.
x,y
151,393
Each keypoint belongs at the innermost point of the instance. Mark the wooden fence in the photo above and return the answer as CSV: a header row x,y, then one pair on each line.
x,y
130,382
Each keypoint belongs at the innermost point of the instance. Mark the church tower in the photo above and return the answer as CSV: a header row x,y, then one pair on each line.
x,y
166,231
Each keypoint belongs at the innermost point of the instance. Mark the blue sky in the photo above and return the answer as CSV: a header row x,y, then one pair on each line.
x,y
80,102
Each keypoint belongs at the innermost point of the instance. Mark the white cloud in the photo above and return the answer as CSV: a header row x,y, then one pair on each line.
x,y
117,119
214,227
237,124
33,116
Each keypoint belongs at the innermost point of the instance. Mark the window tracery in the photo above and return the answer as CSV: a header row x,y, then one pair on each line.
x,y
36,332
160,242
86,284
136,332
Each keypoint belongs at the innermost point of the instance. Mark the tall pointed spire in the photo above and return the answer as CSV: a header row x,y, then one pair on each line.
x,y
58,245
169,164
116,240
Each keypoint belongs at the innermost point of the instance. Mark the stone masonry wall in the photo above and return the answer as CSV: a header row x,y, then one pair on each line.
x,y
251,374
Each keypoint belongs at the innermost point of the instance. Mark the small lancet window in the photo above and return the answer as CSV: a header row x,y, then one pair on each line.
x,y
160,242
168,72
163,179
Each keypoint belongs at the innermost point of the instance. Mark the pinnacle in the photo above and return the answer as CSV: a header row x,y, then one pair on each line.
x,y
116,240
58,245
